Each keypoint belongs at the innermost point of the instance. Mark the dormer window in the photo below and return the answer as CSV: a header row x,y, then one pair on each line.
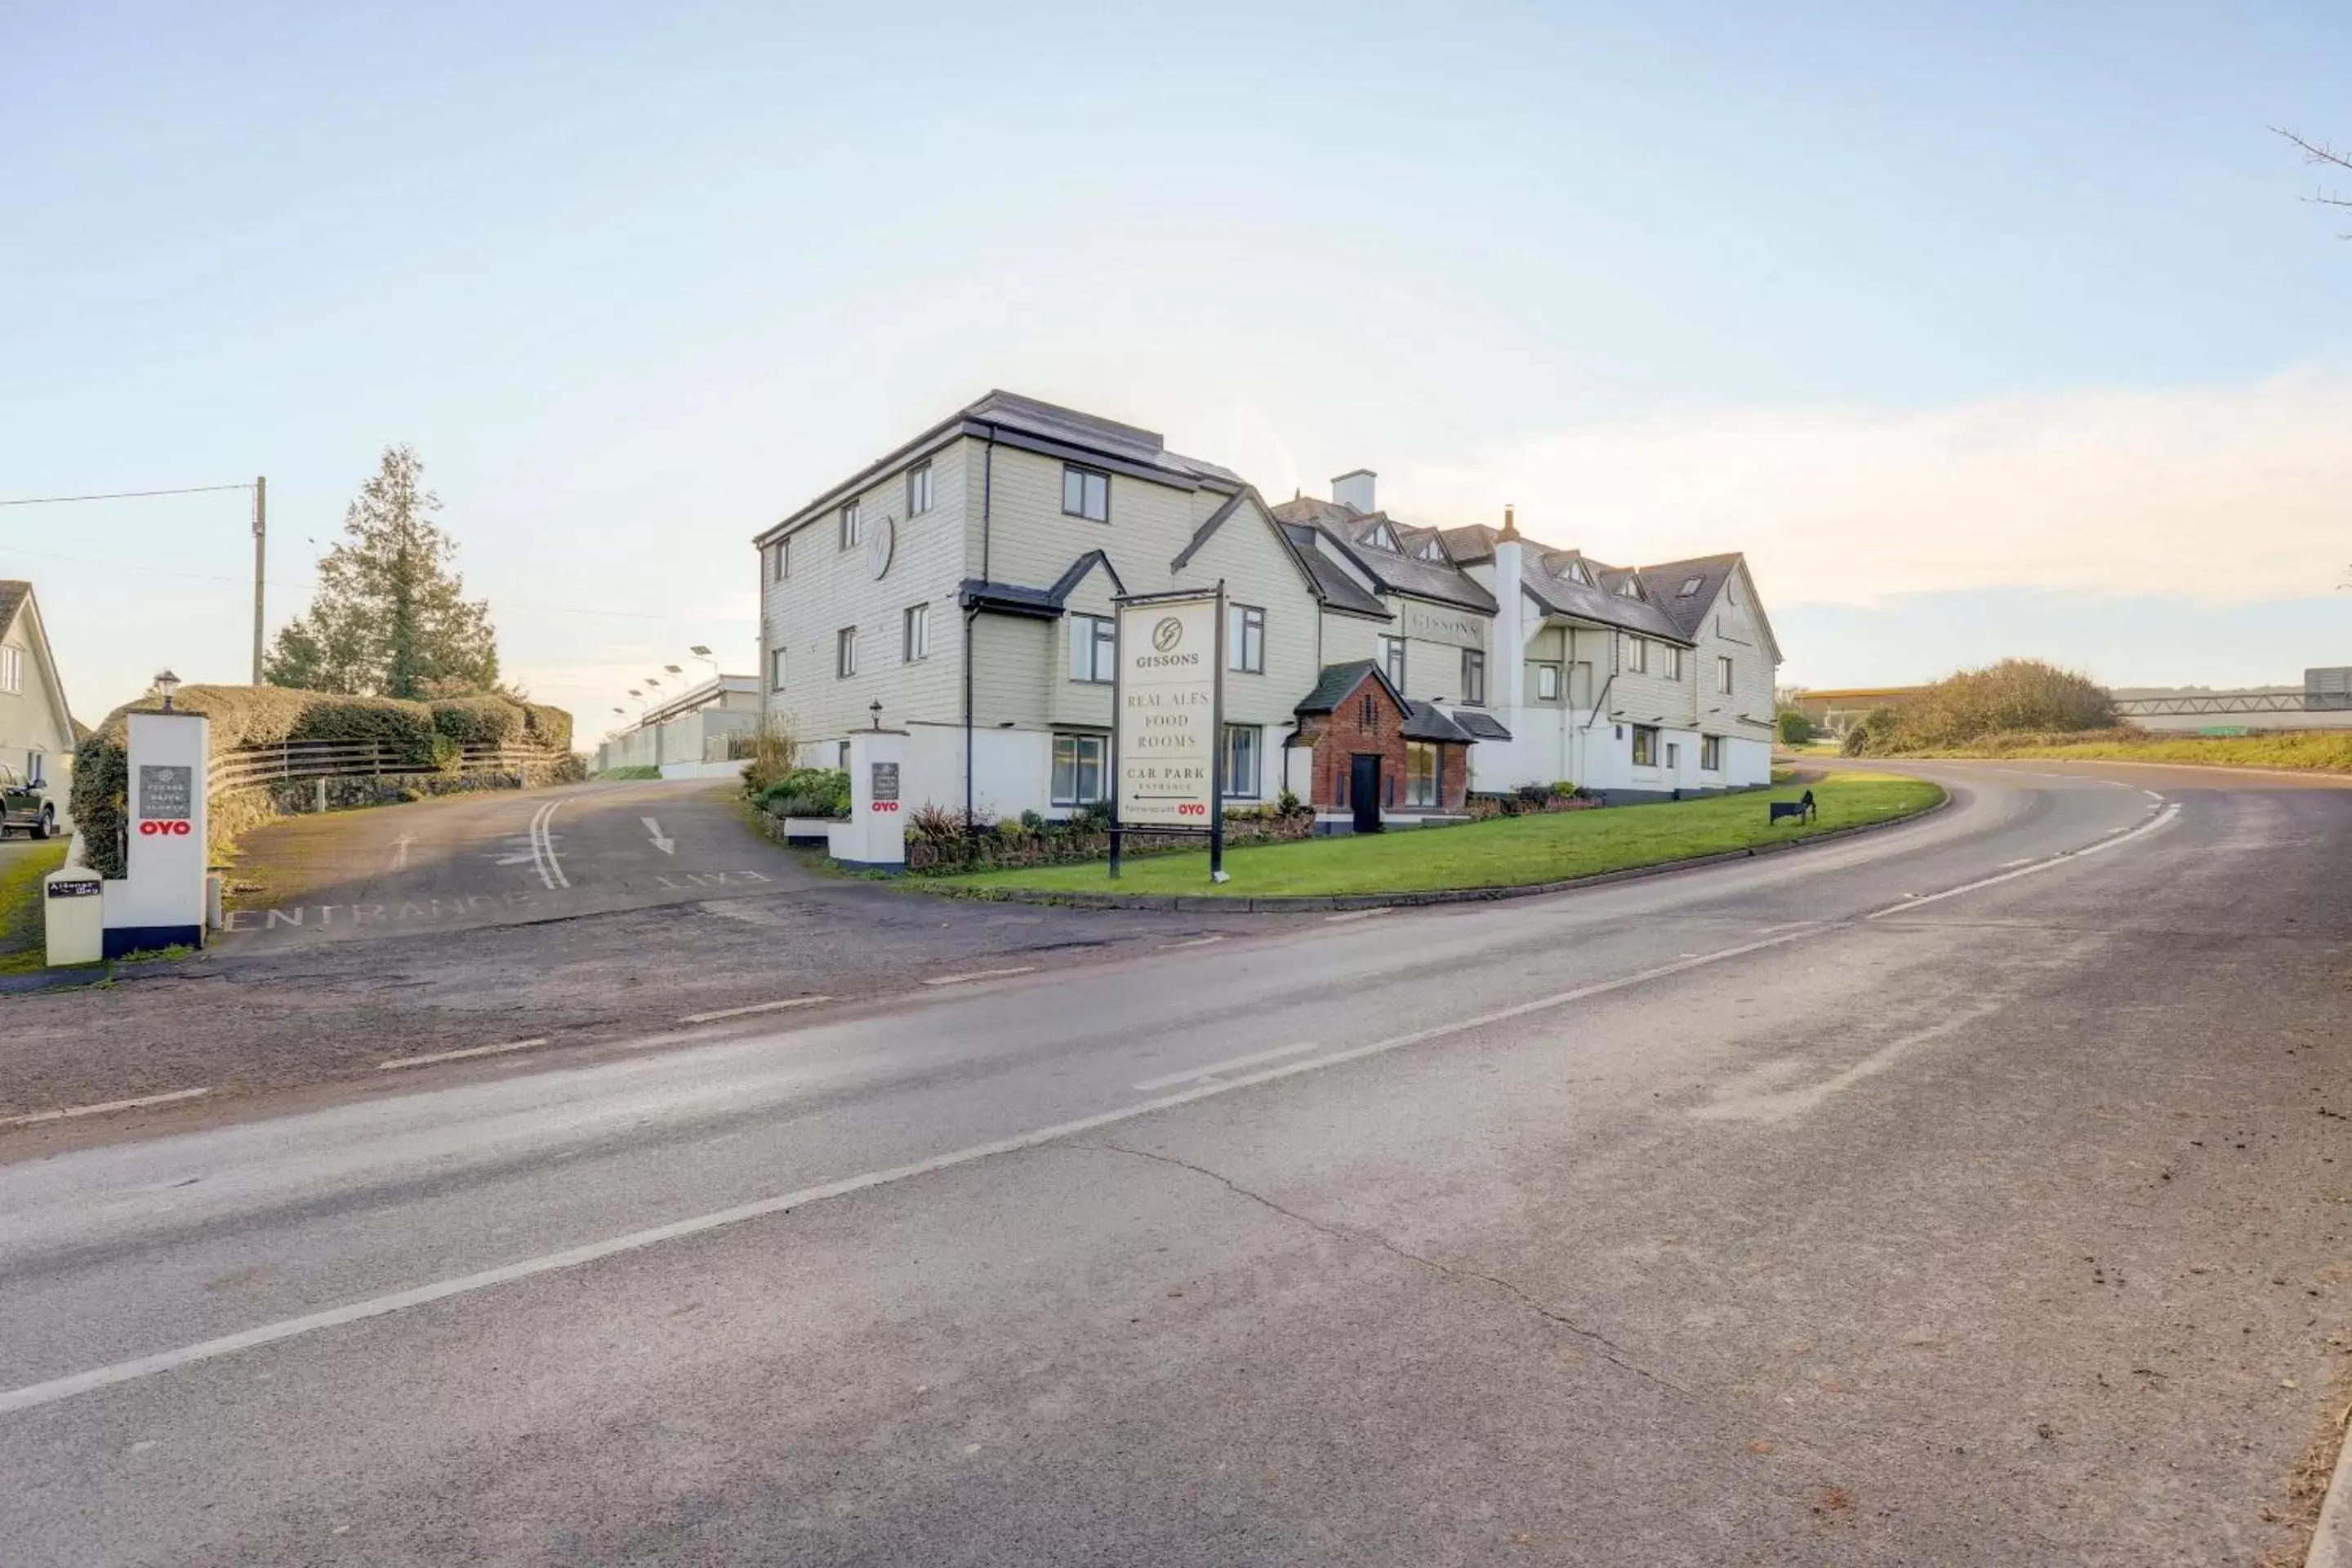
x,y
1575,573
1431,552
1690,586
1628,589
1380,536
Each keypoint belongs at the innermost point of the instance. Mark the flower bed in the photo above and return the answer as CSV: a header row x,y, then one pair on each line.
x,y
937,848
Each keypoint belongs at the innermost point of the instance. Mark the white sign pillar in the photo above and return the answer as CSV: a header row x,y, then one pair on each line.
x,y
161,902
875,837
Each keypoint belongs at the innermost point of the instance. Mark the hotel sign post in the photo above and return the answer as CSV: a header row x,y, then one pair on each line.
x,y
1168,706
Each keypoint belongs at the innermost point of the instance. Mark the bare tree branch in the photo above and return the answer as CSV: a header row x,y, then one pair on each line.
x,y
2320,153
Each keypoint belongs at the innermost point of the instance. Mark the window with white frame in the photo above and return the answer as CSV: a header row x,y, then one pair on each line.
x,y
915,634
1474,678
775,669
1723,676
1645,745
1547,683
1392,660
1710,754
918,489
1670,661
1078,770
1093,648
1421,773
780,560
845,652
12,668
1086,492
1637,656
1242,756
1673,756
852,529
1245,640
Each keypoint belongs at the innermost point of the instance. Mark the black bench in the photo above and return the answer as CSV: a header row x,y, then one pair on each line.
x,y
1796,810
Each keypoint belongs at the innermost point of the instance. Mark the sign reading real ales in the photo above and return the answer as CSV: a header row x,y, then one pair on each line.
x,y
1167,712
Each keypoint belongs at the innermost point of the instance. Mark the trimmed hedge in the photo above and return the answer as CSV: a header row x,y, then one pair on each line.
x,y
421,736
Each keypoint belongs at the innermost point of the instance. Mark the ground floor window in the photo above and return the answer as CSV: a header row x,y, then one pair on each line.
x,y
1241,762
1422,772
1645,745
1078,770
1710,754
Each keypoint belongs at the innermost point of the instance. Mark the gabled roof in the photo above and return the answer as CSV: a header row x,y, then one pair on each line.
x,y
1332,584
1332,687
15,595
1423,721
1396,571
1540,574
1012,420
1042,604
1428,722
1704,576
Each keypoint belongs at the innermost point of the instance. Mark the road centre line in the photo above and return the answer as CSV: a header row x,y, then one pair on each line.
x,y
980,974
1229,1065
1191,942
56,1390
2161,816
104,1108
429,1059
542,849
713,1017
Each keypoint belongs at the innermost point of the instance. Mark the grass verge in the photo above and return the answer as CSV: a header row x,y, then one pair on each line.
x,y
1506,852
23,942
635,771
2308,751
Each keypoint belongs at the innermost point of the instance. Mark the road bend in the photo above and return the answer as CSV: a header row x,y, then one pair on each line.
x,y
1973,1192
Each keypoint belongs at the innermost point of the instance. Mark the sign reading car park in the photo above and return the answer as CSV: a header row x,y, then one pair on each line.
x,y
1168,710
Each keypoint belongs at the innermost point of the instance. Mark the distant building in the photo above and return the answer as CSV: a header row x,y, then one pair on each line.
x,y
1836,710
703,729
964,582
37,732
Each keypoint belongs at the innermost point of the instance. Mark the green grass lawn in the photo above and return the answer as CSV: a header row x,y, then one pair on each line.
x,y
22,866
1511,851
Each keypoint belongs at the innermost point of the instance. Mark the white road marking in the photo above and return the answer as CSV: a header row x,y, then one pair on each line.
x,y
2064,856
980,974
1214,1069
107,1108
667,846
542,849
400,851
34,1395
1355,915
460,1056
1193,942
2151,795
713,1018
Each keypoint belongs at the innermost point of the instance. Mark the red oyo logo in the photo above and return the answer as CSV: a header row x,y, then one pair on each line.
x,y
155,830
885,805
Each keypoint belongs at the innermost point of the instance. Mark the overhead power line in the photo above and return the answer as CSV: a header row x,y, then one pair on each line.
x,y
124,495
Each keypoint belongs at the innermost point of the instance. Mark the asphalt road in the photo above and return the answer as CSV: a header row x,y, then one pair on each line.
x,y
463,862
1974,1192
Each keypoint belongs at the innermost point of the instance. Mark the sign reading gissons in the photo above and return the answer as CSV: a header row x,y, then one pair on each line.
x,y
1167,675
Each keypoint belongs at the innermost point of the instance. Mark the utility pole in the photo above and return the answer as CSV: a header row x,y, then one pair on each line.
x,y
260,549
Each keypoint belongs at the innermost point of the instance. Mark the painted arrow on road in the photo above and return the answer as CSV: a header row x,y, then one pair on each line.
x,y
667,846
400,851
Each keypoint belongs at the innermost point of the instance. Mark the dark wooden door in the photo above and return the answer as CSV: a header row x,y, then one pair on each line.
x,y
1364,790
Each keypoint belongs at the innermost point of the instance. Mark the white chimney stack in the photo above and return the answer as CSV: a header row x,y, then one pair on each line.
x,y
1355,489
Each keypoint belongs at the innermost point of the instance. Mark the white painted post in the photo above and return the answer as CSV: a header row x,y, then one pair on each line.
x,y
162,902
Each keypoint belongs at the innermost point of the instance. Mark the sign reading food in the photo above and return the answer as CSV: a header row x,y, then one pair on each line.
x,y
1167,678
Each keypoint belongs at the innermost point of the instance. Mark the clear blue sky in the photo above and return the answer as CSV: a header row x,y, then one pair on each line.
x,y
1984,328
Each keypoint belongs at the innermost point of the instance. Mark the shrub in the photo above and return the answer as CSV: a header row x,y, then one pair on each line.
x,y
479,720
817,792
2017,695
1796,726
934,823
774,747
412,735
1856,742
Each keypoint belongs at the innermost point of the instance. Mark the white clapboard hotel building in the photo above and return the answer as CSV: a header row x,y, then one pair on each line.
x,y
959,590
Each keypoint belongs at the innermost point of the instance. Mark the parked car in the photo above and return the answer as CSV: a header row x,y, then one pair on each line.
x,y
25,804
